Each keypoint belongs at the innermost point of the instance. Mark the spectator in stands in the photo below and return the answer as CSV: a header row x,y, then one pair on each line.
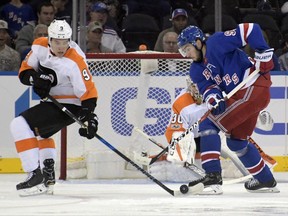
x,y
283,54
9,58
40,30
157,9
94,36
179,21
284,46
34,4
229,7
110,38
283,61
284,8
116,14
45,13
17,14
61,11
170,42
264,5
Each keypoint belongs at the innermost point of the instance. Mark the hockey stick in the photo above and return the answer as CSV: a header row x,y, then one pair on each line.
x,y
196,124
265,156
195,168
198,187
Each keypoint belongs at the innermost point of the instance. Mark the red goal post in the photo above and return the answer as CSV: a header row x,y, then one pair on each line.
x,y
135,90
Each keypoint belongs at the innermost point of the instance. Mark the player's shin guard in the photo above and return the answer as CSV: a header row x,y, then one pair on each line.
x,y
210,156
47,150
210,153
49,175
250,157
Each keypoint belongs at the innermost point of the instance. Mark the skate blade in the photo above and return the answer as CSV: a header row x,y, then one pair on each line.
x,y
212,190
50,189
265,190
33,191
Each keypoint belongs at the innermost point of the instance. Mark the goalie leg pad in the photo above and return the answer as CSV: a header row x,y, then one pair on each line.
x,y
184,151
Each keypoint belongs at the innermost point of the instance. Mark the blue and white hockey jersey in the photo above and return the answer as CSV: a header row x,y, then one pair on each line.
x,y
225,64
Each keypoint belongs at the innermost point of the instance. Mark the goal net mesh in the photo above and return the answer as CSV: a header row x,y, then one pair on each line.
x,y
135,90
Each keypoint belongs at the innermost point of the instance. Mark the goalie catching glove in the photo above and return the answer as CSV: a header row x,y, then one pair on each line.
x,y
215,101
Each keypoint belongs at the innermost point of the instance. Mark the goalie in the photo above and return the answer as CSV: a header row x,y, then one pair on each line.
x,y
186,109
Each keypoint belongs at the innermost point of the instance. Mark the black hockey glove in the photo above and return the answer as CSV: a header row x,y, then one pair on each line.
x,y
87,107
90,131
42,84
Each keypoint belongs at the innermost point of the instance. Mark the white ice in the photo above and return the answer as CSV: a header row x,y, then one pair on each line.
x,y
138,198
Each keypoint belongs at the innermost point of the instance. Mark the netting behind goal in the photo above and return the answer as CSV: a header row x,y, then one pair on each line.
x,y
135,90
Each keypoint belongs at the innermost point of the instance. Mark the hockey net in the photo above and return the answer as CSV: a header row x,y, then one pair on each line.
x,y
135,90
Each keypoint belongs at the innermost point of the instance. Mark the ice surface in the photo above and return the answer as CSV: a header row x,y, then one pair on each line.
x,y
138,198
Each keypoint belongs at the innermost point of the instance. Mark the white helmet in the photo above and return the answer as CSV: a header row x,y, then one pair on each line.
x,y
59,29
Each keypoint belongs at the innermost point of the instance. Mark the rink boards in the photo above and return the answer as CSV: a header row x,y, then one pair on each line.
x,y
117,125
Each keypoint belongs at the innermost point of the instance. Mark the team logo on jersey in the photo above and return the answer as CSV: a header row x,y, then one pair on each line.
x,y
230,32
175,126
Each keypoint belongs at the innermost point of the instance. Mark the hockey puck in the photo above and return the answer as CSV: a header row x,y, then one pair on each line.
x,y
184,189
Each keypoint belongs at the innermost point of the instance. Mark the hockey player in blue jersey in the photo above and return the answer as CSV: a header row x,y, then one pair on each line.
x,y
219,65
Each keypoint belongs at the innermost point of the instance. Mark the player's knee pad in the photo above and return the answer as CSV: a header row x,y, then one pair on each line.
x,y
207,132
207,127
20,129
210,141
237,146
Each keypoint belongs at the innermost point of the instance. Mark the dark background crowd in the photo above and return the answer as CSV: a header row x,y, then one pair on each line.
x,y
123,25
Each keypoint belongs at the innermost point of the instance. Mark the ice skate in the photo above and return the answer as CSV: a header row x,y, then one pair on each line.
x,y
254,186
33,185
49,175
212,184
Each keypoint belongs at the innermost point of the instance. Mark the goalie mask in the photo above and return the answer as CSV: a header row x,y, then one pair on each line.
x,y
193,90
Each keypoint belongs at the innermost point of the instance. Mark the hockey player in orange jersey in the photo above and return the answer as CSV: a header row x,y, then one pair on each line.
x,y
54,66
